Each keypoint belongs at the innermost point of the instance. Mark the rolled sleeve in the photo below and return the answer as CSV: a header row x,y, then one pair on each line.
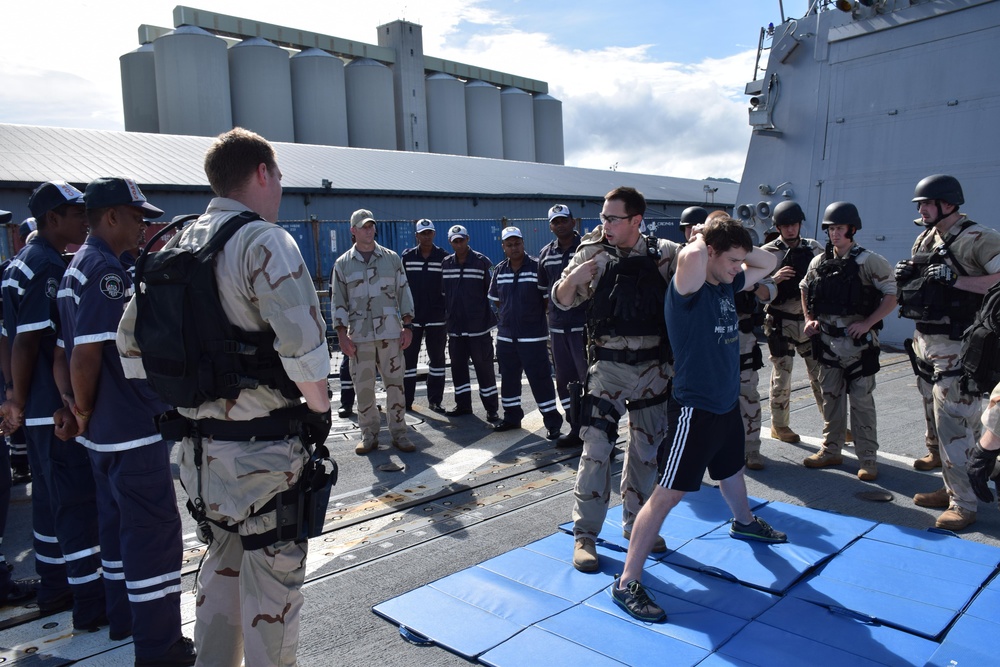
x,y
310,367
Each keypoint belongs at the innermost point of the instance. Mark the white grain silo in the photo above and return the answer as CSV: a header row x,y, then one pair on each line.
x,y
446,127
518,118
548,130
319,102
371,108
260,84
192,83
139,90
483,121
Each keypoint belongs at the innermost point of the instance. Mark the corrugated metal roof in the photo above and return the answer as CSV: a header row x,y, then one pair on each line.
x,y
30,154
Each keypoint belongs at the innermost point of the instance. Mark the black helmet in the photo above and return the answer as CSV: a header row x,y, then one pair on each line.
x,y
788,213
842,213
693,215
939,186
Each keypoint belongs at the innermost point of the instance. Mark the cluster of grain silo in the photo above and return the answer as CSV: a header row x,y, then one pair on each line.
x,y
192,81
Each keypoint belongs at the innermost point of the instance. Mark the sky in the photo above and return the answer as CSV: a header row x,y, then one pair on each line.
x,y
647,86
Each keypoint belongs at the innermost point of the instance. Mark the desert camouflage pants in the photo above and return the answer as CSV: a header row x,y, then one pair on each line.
x,y
616,383
749,396
248,602
838,391
388,357
952,417
781,367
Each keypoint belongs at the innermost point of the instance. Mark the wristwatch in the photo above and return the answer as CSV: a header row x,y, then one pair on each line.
x,y
408,326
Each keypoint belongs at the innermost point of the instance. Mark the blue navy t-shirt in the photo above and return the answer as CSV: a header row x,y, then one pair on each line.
x,y
704,332
92,297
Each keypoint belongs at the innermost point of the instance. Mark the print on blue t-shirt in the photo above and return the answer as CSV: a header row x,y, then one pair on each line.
x,y
704,332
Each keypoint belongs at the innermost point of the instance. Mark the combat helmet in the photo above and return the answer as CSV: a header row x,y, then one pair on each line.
x,y
788,213
693,215
842,213
939,186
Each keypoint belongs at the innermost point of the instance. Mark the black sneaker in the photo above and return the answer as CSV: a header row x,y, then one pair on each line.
x,y
345,411
636,602
60,602
493,417
180,654
757,531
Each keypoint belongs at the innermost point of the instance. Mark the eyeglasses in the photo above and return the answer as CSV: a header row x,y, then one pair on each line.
x,y
611,219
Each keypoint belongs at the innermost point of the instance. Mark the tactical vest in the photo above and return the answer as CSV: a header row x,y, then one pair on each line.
x,y
929,300
191,352
628,300
798,258
981,345
838,289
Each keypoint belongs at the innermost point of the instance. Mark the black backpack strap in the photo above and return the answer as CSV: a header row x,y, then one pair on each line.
x,y
225,232
176,223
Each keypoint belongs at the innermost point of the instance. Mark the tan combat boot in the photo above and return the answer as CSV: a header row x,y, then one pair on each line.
x,y
585,555
365,446
784,434
955,518
935,500
824,458
868,471
930,461
754,461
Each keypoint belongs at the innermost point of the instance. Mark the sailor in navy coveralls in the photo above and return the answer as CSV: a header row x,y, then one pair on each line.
x,y
140,528
522,337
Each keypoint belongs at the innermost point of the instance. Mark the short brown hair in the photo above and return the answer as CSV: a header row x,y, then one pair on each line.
x,y
635,203
723,233
233,157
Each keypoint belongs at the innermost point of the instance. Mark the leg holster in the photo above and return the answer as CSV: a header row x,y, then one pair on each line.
x,y
778,344
606,418
752,360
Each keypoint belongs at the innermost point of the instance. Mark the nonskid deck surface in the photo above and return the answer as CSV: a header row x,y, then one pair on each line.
x,y
397,522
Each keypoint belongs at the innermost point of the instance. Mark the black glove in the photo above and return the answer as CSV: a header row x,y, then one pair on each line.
x,y
905,271
315,426
980,469
941,273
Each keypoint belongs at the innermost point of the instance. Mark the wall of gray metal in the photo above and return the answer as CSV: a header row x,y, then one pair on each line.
x,y
446,126
260,84
407,83
483,119
371,107
549,147
138,69
319,100
191,64
517,117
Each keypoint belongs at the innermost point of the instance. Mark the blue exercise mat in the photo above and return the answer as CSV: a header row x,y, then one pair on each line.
x,y
849,632
764,645
971,641
538,648
920,589
813,537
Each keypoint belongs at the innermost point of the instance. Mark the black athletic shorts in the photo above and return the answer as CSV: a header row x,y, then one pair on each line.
x,y
698,440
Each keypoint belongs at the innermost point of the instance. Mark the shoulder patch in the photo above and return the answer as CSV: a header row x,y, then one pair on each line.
x,y
112,286
51,288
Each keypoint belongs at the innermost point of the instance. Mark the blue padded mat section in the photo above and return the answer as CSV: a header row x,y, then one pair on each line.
x,y
971,641
814,536
919,590
622,639
766,646
880,643
843,591
447,621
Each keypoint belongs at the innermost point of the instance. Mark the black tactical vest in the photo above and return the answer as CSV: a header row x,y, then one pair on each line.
x,y
838,290
628,300
798,258
928,300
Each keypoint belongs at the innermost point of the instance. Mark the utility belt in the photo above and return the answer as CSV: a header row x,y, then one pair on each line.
x,y
952,330
632,357
924,369
836,332
300,510
639,404
867,365
173,426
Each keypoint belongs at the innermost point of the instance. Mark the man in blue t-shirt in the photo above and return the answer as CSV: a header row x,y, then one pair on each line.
x,y
705,427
